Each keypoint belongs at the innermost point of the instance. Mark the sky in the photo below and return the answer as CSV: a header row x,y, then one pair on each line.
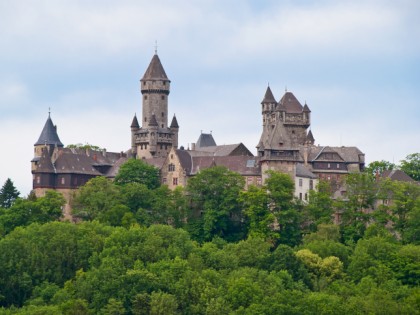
x,y
355,63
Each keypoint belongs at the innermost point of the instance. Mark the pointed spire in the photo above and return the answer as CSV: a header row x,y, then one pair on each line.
x,y
174,123
135,122
306,108
310,137
268,97
49,134
155,70
153,121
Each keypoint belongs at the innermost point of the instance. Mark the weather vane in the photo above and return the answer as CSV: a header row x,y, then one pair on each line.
x,y
156,46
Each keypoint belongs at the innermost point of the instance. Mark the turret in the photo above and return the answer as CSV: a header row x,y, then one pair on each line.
x,y
134,128
48,139
174,128
153,134
268,106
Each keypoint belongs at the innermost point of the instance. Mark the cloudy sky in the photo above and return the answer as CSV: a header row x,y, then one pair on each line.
x,y
356,64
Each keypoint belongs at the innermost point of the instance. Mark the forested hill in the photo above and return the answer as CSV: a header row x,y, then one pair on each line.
x,y
139,248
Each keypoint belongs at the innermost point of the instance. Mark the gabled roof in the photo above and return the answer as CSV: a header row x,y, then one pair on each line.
x,y
174,123
135,122
224,150
49,134
155,70
205,140
290,103
268,97
244,165
397,175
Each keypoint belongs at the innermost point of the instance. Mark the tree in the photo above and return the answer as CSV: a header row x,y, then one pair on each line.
x,y
216,210
137,171
378,167
95,197
320,206
280,188
259,218
411,166
8,194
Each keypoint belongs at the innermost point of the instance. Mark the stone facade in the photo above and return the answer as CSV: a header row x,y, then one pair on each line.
x,y
154,138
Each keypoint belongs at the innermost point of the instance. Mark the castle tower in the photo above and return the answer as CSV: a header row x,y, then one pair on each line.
x,y
284,132
48,139
155,138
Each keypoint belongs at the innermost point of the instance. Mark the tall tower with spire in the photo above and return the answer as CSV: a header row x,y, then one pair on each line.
x,y
155,137
285,125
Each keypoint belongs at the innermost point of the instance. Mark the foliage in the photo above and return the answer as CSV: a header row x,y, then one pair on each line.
x,y
214,194
86,146
137,171
8,194
378,167
411,166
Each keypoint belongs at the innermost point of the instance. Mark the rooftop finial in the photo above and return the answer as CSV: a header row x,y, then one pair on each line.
x,y
268,84
156,46
49,111
285,88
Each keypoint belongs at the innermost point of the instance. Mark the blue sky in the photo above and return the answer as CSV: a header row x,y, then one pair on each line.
x,y
356,64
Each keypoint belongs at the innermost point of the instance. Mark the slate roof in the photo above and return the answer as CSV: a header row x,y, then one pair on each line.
x,y
135,122
156,162
224,150
174,123
49,135
236,163
302,171
205,140
290,103
397,175
155,70
348,154
153,121
268,97
310,137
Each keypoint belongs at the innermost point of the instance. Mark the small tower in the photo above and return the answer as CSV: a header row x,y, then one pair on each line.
x,y
48,139
134,128
174,128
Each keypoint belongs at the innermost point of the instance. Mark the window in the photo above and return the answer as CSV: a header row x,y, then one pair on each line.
x,y
171,167
329,165
145,97
311,184
259,181
306,196
163,114
338,165
175,181
163,97
300,196
38,180
249,180
300,182
145,119
63,181
164,180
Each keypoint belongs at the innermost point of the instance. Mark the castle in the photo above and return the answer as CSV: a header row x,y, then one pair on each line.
x,y
286,144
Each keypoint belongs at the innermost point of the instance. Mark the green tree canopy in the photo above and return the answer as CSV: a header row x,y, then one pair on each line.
x,y
411,166
138,171
216,210
8,194
378,167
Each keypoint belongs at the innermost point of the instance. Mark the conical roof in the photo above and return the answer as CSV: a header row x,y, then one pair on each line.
x,y
174,123
290,103
153,121
135,122
268,97
49,135
310,137
155,70
306,108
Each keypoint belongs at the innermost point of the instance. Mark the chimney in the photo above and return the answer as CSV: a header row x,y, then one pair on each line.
x,y
192,146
